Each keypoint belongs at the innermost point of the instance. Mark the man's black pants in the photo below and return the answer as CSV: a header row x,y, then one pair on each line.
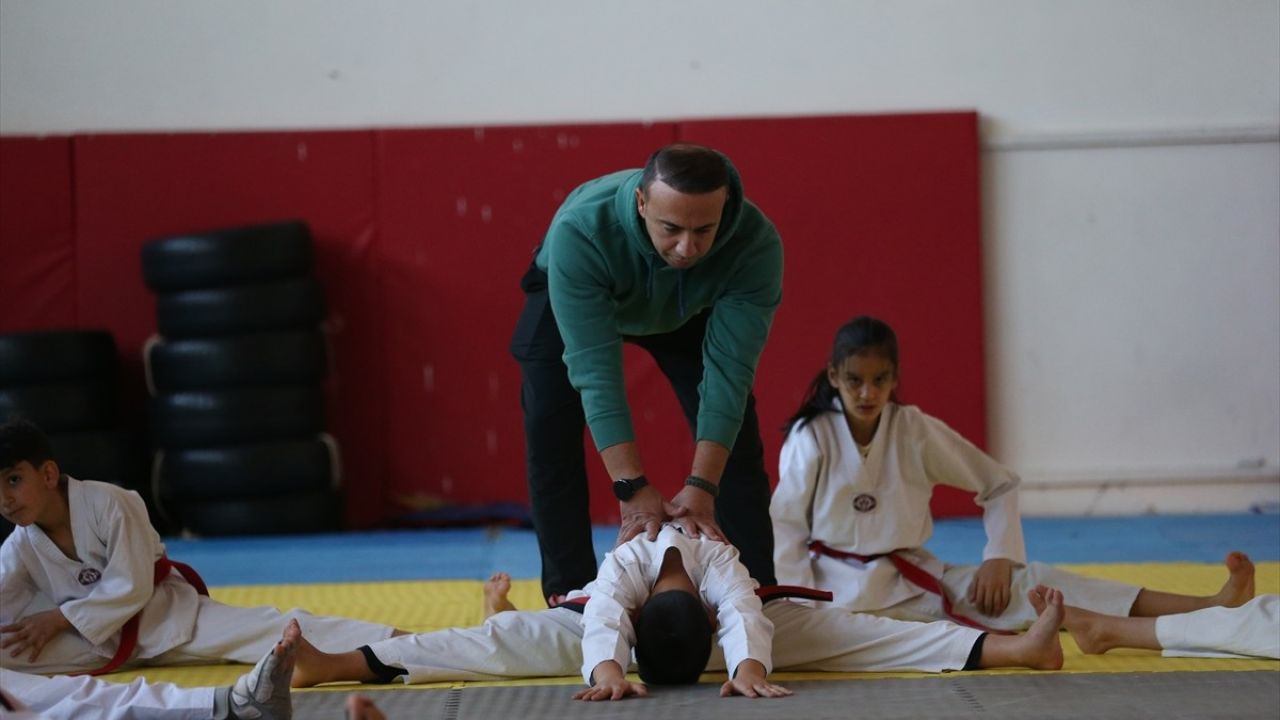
x,y
554,453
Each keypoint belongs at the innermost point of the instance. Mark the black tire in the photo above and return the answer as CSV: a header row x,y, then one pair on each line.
x,y
233,417
248,471
293,358
112,456
287,514
286,305
221,258
61,408
57,356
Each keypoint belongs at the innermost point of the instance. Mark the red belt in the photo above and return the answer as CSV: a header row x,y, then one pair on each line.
x,y
765,593
913,573
129,633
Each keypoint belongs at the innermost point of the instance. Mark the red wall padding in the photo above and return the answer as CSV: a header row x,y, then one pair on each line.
x,y
422,236
879,215
37,235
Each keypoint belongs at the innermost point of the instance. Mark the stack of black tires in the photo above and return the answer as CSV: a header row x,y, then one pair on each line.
x,y
65,381
235,374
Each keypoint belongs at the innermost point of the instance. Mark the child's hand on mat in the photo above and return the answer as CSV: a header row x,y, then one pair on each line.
x,y
33,633
750,681
989,591
610,684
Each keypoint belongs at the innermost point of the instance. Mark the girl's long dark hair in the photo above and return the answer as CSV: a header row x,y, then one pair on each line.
x,y
860,335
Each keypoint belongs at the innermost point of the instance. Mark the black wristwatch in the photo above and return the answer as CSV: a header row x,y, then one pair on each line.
x,y
626,488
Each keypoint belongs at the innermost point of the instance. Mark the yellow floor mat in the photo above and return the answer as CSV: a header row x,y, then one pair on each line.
x,y
432,605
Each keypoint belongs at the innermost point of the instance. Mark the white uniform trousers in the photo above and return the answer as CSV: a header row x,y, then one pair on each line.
x,y
222,632
1251,630
84,698
548,643
1102,596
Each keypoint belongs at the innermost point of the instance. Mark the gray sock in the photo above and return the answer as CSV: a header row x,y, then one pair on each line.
x,y
260,694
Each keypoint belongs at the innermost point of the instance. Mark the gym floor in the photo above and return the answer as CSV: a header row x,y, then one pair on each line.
x,y
423,580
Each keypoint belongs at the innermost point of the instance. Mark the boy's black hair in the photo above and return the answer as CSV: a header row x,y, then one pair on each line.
x,y
21,440
673,638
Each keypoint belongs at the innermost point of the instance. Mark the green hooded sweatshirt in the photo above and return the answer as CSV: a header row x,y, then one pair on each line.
x,y
606,281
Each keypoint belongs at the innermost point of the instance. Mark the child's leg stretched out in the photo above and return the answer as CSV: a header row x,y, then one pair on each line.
x,y
836,640
1249,630
1236,591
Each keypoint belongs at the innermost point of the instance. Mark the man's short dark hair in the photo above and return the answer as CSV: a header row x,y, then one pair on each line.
x,y
21,440
673,638
691,169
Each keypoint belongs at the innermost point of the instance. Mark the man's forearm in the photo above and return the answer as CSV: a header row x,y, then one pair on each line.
x,y
709,459
622,461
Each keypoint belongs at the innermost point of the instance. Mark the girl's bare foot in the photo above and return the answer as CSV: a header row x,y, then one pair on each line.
x,y
1043,650
496,589
1239,587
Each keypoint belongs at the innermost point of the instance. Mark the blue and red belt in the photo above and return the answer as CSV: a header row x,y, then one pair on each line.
x,y
129,633
914,574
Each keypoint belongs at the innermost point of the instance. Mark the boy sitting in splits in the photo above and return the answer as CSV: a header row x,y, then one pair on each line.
x,y
85,584
667,598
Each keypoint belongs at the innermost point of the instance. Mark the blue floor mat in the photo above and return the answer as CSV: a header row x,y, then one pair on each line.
x,y
475,553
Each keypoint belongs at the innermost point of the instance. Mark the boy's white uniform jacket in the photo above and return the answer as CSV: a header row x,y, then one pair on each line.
x,y
828,492
627,576
111,581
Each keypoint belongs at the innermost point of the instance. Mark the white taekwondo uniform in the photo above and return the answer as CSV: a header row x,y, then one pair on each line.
x,y
827,491
62,697
562,641
114,578
1251,630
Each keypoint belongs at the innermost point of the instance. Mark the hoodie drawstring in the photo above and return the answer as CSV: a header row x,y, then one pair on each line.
x,y
680,292
648,291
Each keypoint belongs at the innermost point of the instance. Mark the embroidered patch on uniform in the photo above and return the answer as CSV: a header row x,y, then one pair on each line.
x,y
89,576
864,503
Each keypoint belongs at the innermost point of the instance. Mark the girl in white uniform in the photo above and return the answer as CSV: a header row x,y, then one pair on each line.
x,y
851,510
84,561
784,635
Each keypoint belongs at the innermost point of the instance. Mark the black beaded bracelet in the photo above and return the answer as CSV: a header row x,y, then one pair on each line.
x,y
701,484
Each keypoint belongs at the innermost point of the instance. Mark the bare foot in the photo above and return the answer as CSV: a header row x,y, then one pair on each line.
x,y
496,589
1087,628
1043,650
313,666
1239,587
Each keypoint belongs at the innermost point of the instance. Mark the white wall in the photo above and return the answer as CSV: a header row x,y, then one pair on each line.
x,y
1132,166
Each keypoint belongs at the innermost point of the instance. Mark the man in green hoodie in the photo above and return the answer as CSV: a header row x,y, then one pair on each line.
x,y
675,260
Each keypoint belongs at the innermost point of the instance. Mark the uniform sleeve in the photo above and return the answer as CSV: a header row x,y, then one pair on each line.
x,y
580,288
17,589
129,577
736,333
744,632
791,508
949,459
607,631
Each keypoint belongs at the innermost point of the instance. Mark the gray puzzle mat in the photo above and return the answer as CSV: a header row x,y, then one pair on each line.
x,y
1123,696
